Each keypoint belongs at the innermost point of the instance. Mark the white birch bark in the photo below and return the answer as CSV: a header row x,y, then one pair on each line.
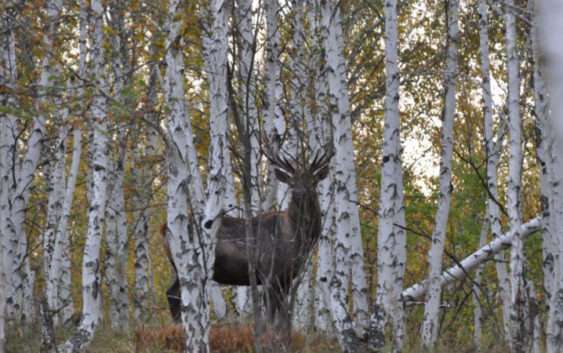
x,y
477,293
116,220
247,82
184,183
541,109
91,282
349,251
432,306
274,121
325,263
8,131
143,175
116,238
460,271
493,149
58,278
21,307
221,193
55,208
518,314
391,240
4,263
55,190
550,25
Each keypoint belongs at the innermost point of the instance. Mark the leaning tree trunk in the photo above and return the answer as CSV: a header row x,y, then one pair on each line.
x,y
91,282
432,306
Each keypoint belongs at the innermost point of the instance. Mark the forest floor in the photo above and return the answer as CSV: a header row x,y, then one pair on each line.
x,y
224,338
163,337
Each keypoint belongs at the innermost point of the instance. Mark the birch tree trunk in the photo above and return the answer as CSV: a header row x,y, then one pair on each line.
x,y
91,282
21,302
478,293
8,130
143,176
116,220
349,257
325,265
544,143
116,237
432,305
274,121
247,84
517,314
221,192
469,263
391,242
58,279
184,185
550,22
493,150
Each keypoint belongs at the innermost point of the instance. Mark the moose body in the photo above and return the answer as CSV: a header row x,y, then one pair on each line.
x,y
281,241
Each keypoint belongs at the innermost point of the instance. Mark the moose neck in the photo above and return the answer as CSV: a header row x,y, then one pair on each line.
x,y
305,215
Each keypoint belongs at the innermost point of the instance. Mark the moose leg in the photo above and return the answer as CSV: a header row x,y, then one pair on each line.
x,y
175,301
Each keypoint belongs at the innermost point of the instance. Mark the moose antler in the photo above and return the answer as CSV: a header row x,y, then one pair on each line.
x,y
322,160
274,156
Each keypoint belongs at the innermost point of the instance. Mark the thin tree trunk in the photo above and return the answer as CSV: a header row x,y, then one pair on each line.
x,y
349,257
493,150
469,263
192,249
391,240
478,293
144,175
274,121
432,306
91,282
517,315
550,25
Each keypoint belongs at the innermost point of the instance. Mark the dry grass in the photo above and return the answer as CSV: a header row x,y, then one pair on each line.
x,y
224,338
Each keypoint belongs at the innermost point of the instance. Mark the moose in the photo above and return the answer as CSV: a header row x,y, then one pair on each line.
x,y
282,240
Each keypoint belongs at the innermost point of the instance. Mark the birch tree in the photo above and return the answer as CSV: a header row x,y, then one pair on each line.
x,y
391,241
478,293
143,176
221,192
432,305
116,219
184,185
348,246
517,315
274,121
493,150
550,24
91,282
247,84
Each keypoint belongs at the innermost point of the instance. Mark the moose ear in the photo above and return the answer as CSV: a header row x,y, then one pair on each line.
x,y
282,176
322,173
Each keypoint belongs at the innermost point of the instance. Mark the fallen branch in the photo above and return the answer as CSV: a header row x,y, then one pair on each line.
x,y
459,271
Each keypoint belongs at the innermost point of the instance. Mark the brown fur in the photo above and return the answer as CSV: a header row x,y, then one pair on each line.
x,y
282,240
